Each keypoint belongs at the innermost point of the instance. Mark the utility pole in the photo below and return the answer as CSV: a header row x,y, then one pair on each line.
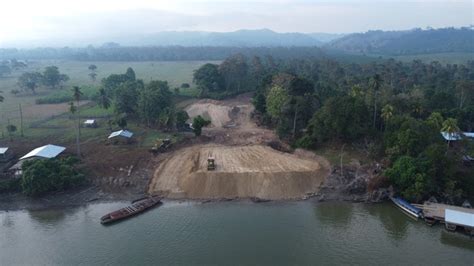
x,y
21,120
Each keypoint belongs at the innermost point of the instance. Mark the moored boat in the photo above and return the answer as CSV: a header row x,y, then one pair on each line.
x,y
407,207
134,209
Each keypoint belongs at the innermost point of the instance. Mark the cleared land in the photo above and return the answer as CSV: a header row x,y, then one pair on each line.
x,y
245,165
47,120
247,171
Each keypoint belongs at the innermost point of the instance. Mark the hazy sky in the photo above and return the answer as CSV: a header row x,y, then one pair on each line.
x,y
28,20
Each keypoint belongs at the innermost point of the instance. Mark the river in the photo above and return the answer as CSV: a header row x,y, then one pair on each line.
x,y
229,233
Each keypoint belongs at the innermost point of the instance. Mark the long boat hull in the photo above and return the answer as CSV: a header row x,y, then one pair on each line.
x,y
129,211
407,208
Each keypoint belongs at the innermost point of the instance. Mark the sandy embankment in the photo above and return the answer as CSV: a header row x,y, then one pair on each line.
x,y
246,171
246,167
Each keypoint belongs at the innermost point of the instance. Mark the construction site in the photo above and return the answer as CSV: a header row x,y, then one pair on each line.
x,y
235,160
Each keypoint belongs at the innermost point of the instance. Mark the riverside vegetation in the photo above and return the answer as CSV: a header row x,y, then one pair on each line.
x,y
390,110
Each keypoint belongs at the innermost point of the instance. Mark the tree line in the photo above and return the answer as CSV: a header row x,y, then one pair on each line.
x,y
157,53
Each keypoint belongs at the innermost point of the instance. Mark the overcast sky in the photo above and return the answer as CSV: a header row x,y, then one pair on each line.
x,y
28,20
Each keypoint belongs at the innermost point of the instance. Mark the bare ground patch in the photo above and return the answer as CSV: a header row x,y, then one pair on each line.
x,y
242,171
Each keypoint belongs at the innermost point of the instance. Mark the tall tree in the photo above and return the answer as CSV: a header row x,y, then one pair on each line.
x,y
375,85
52,77
73,110
154,99
103,100
387,113
450,126
77,93
30,81
436,120
208,78
92,68
11,129
299,89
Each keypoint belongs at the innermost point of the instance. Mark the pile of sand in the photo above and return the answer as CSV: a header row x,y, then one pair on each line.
x,y
246,171
218,114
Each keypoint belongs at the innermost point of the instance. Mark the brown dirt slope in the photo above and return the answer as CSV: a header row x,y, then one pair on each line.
x,y
242,171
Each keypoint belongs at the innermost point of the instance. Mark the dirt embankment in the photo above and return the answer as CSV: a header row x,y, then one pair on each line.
x,y
245,165
241,171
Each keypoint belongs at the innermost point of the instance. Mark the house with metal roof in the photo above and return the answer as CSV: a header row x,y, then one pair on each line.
x,y
5,154
48,151
121,133
44,152
92,123
121,136
457,136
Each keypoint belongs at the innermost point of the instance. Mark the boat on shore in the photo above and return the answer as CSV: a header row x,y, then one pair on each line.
x,y
407,208
129,211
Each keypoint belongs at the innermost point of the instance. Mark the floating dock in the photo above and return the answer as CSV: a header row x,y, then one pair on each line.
x,y
451,216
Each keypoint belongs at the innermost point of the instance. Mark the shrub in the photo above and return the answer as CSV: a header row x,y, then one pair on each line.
x,y
42,176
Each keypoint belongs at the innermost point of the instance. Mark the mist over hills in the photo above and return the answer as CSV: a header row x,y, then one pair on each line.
x,y
180,45
240,38
416,41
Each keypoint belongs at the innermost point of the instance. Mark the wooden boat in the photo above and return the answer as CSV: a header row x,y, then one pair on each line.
x,y
134,209
407,207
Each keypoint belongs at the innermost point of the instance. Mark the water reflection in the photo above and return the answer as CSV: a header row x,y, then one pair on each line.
x,y
50,217
457,240
334,214
7,219
394,221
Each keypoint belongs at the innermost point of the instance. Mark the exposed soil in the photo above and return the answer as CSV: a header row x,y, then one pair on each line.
x,y
246,166
241,172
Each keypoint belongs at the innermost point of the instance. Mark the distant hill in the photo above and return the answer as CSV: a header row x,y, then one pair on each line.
x,y
410,42
240,38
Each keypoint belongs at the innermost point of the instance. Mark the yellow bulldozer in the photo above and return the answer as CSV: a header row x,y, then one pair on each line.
x,y
211,165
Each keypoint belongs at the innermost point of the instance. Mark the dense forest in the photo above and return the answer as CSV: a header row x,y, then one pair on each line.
x,y
415,41
114,52
393,111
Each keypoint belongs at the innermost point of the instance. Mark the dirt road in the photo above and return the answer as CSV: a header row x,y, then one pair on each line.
x,y
246,165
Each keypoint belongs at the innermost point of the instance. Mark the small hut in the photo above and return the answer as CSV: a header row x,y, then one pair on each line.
x,y
91,123
121,136
5,155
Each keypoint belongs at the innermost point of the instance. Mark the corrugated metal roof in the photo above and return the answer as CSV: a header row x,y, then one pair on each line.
x,y
457,136
459,217
89,121
469,134
121,133
3,150
450,137
47,151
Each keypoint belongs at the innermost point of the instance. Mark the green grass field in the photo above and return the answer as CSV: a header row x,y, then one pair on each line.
x,y
52,120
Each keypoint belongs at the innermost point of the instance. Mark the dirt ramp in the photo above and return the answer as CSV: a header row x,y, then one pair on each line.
x,y
222,114
242,171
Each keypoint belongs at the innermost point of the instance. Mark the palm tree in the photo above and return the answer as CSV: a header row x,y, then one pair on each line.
x,y
376,83
77,93
436,119
450,126
387,113
73,110
104,100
